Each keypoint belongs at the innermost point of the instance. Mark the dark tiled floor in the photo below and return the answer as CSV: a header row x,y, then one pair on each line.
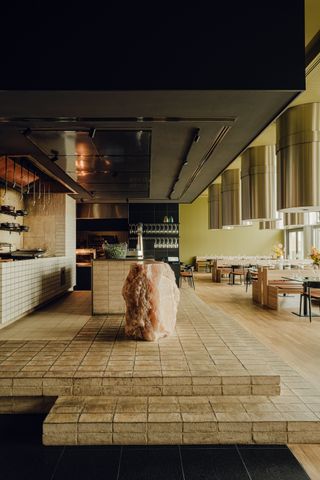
x,y
23,457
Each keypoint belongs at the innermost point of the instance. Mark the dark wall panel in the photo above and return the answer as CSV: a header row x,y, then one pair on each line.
x,y
153,213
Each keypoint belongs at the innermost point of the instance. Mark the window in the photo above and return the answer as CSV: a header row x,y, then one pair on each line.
x,y
316,237
295,244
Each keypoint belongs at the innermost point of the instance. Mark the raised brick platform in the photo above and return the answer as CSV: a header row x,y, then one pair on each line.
x,y
180,420
211,382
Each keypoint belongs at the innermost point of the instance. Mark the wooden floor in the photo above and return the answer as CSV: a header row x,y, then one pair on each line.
x,y
293,338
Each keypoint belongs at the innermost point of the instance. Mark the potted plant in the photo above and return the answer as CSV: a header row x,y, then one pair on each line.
x,y
315,256
278,251
115,250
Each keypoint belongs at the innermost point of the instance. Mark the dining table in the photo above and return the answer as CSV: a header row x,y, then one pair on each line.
x,y
306,281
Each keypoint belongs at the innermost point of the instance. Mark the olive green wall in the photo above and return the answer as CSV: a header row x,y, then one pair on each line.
x,y
196,239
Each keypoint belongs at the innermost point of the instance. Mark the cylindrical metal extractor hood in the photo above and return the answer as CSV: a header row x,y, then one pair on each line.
x,y
214,206
293,219
259,183
230,194
298,157
268,225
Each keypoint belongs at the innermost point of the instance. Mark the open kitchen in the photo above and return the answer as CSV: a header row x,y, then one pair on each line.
x,y
160,243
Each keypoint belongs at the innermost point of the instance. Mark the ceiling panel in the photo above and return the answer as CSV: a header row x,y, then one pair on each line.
x,y
101,161
138,144
113,163
122,143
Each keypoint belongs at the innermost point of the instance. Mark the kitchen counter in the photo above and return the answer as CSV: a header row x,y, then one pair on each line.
x,y
27,284
108,277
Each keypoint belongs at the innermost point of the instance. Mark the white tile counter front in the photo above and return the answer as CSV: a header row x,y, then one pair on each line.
x,y
26,284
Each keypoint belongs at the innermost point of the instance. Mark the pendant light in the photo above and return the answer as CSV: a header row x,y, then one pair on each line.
x,y
214,206
298,155
293,219
268,225
258,183
230,193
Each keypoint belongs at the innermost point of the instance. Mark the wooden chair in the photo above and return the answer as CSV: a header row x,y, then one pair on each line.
x,y
186,273
237,271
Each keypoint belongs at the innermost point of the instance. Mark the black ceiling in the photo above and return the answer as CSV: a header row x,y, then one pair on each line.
x,y
104,74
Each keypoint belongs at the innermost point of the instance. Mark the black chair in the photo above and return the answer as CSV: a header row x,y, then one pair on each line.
x,y
248,279
186,273
309,294
251,273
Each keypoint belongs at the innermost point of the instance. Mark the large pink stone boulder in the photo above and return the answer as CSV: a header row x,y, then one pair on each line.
x,y
152,297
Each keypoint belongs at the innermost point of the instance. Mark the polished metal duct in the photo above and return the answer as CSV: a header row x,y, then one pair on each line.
x,y
102,210
293,219
268,225
230,194
259,183
214,206
298,155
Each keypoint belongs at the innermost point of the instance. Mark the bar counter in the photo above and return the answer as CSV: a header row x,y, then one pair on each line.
x,y
108,277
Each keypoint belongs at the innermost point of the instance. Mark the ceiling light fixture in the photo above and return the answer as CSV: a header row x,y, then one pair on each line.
x,y
92,132
196,137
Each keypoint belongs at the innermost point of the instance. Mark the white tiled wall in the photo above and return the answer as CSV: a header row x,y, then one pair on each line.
x,y
47,225
26,284
108,277
70,233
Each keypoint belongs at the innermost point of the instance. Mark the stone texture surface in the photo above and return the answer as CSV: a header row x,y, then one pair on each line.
x,y
177,419
152,299
199,385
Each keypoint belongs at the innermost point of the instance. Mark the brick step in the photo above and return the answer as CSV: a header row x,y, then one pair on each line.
x,y
182,420
140,385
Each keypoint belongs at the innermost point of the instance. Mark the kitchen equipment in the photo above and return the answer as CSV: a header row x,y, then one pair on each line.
x,y
5,178
28,254
21,213
21,180
14,175
7,225
5,250
34,189
7,209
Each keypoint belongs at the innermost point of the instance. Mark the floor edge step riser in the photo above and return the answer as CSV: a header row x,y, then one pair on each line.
x,y
179,420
